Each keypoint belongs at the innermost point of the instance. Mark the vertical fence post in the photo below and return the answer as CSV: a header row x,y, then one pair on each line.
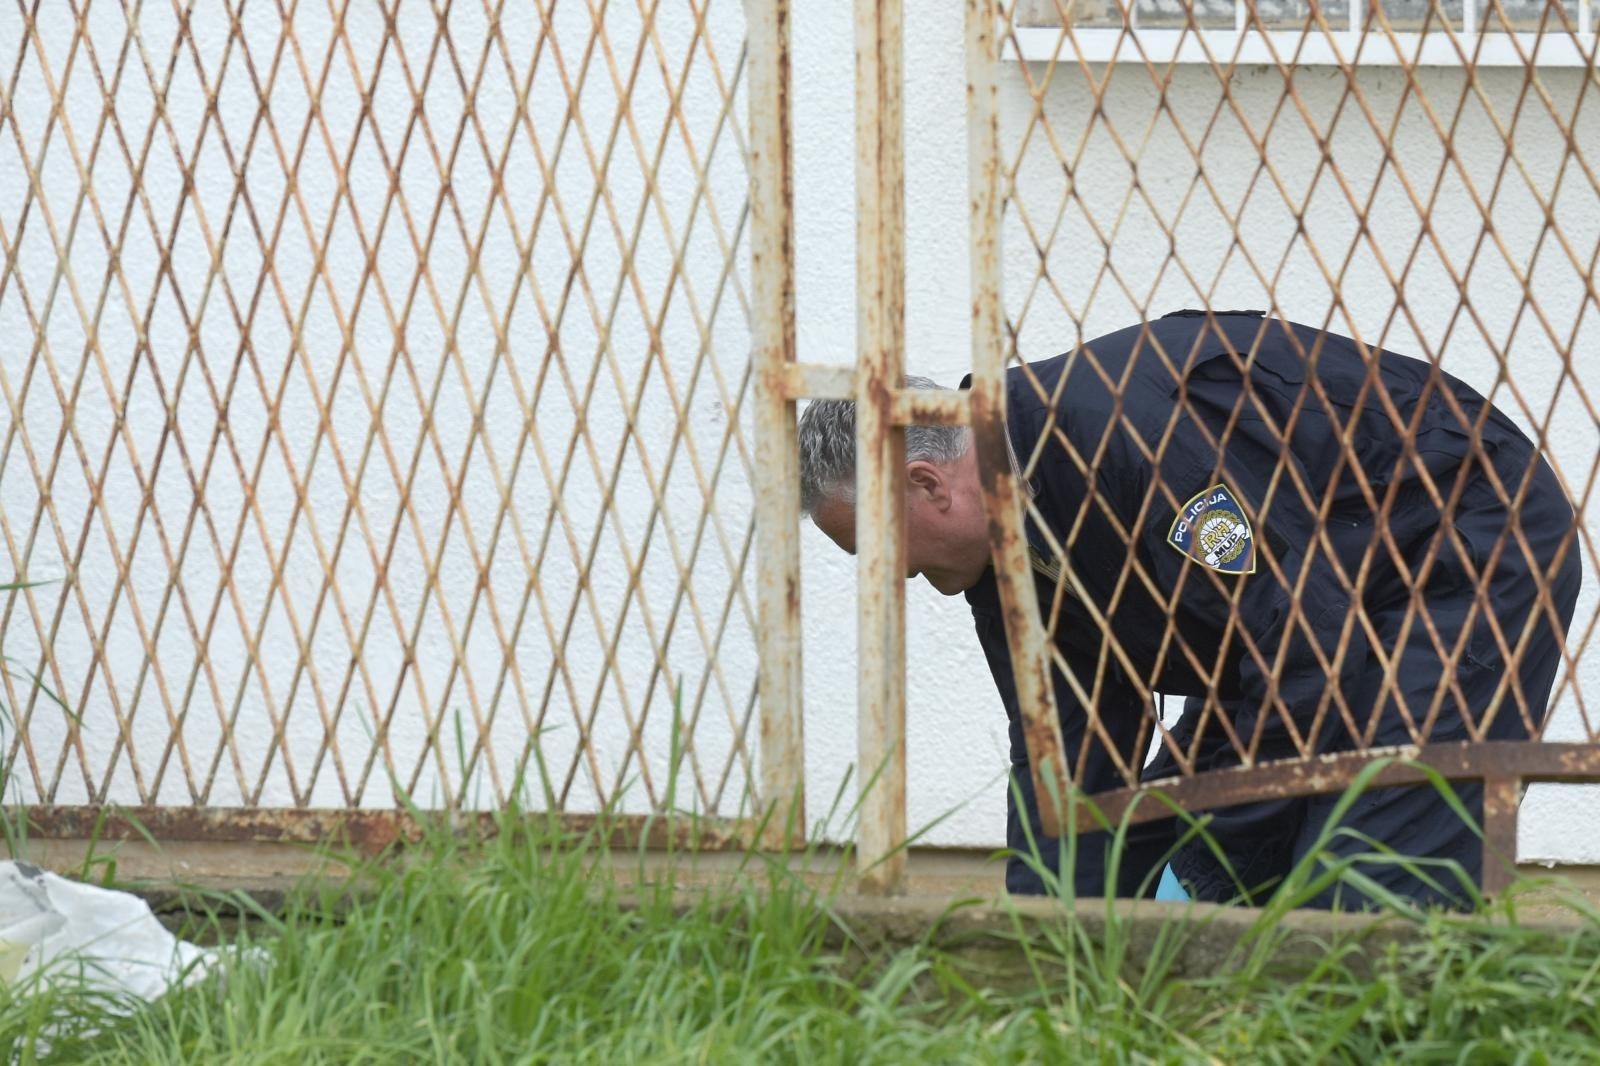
x,y
1502,794
1002,497
782,791
880,444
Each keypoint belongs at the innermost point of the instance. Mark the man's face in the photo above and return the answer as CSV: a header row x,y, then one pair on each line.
x,y
946,530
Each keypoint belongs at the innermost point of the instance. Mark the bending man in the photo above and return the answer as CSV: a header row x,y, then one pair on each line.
x,y
1269,522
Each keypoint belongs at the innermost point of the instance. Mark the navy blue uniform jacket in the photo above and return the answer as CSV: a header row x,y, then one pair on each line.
x,y
1119,434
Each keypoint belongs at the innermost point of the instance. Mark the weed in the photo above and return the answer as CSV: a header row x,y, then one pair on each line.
x,y
519,946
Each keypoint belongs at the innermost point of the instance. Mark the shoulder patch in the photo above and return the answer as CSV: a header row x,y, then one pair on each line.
x,y
1213,529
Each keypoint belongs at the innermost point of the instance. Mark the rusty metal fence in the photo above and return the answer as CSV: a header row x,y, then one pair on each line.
x,y
1416,177
1447,209
376,413
389,390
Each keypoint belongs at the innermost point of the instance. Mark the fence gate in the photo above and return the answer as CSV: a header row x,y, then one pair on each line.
x,y
1417,176
377,413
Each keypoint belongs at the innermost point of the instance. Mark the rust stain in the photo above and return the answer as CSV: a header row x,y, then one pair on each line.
x,y
369,833
880,445
1489,761
781,774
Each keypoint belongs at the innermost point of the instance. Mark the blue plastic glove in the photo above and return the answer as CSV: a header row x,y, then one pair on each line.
x,y
1169,889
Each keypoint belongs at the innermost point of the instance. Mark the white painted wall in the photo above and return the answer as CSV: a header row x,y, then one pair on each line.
x,y
957,730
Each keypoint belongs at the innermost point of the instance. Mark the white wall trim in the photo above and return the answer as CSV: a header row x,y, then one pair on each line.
x,y
1296,48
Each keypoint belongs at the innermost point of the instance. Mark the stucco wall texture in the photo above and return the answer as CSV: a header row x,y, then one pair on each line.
x,y
461,339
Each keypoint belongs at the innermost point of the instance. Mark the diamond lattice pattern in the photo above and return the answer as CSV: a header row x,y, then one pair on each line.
x,y
372,383
1449,213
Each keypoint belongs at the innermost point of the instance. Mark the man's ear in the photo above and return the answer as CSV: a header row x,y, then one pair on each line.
x,y
927,480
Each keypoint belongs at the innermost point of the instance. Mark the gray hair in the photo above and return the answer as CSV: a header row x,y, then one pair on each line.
x,y
828,447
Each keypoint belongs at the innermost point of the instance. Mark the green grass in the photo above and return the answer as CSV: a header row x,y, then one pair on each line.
x,y
521,948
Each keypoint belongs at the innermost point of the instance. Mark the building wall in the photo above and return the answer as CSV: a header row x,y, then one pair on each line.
x,y
477,332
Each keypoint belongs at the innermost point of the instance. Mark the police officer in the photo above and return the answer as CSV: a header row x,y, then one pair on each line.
x,y
1323,549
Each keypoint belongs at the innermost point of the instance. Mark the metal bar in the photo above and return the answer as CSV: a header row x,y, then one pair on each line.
x,y
1465,760
369,831
1501,796
1025,635
782,774
911,407
820,381
880,444
928,407
1515,761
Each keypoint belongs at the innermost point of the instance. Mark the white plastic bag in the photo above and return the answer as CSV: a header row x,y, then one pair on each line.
x,y
99,939
26,917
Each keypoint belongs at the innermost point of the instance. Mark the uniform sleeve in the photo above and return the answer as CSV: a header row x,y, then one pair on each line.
x,y
1121,707
1122,710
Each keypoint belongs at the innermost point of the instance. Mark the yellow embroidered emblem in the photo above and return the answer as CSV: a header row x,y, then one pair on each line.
x,y
1213,529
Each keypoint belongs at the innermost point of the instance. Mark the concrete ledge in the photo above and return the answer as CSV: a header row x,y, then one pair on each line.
x,y
949,873
1007,944
952,908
